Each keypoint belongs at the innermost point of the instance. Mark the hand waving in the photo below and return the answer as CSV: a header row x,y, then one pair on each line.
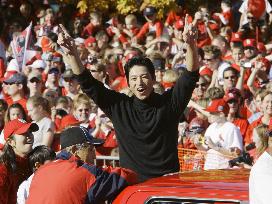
x,y
190,32
66,42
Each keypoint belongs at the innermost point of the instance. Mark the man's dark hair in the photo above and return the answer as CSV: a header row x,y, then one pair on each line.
x,y
141,61
40,154
232,70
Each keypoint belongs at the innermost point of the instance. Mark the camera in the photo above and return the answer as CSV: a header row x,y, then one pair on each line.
x,y
61,112
244,158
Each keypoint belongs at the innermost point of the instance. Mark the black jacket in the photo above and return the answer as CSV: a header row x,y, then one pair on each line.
x,y
146,130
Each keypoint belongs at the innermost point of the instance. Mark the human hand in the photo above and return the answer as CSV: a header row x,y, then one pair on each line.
x,y
198,15
66,42
190,32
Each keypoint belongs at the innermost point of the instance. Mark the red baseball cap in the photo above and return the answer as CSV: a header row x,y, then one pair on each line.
x,y
19,127
206,71
131,55
179,24
236,37
249,43
217,106
231,94
89,41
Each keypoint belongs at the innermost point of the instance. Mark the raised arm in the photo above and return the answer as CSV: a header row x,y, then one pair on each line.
x,y
69,49
190,37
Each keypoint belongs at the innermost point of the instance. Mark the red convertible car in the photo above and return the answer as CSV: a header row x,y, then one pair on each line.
x,y
199,187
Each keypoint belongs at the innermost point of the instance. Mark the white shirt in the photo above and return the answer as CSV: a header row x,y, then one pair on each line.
x,y
260,191
225,136
23,190
45,125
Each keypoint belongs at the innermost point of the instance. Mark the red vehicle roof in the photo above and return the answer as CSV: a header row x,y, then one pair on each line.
x,y
212,184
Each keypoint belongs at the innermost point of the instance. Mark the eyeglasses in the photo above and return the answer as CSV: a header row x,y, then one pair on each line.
x,y
202,85
230,77
33,80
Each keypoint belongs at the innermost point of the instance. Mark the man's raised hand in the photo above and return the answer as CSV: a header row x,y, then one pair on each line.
x,y
66,42
190,32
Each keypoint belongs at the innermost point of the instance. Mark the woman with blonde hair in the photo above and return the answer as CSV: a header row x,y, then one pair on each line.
x,y
39,111
260,139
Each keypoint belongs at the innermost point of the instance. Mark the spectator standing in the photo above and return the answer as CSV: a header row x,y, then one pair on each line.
x,y
223,138
39,111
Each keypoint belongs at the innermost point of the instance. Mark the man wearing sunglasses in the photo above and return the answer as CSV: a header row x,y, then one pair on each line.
x,y
34,83
16,88
70,84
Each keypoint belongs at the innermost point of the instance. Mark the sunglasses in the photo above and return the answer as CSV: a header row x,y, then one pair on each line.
x,y
33,80
94,71
232,101
208,60
202,85
10,83
230,77
53,71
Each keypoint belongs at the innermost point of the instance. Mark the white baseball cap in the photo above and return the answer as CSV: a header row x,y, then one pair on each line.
x,y
13,66
38,64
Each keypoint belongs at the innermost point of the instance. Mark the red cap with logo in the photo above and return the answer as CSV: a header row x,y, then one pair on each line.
x,y
217,106
19,127
249,43
232,94
236,37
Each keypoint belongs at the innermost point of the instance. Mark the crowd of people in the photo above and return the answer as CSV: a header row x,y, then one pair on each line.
x,y
123,86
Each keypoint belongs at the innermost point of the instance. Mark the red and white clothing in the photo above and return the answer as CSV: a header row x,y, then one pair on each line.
x,y
224,136
157,27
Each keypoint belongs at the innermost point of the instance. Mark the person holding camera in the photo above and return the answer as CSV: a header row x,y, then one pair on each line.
x,y
223,140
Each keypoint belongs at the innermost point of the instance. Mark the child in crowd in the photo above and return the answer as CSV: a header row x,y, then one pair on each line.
x,y
39,112
37,157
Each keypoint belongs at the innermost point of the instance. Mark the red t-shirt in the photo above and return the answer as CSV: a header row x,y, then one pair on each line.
x,y
242,124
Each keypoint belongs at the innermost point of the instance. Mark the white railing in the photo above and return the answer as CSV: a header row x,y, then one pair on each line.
x,y
107,161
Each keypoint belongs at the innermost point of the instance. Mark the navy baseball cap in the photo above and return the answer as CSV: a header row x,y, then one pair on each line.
x,y
149,11
77,135
16,78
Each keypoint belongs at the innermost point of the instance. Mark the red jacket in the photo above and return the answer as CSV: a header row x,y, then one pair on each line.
x,y
9,182
69,180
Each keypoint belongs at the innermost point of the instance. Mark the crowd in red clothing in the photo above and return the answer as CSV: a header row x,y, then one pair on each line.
x,y
234,88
